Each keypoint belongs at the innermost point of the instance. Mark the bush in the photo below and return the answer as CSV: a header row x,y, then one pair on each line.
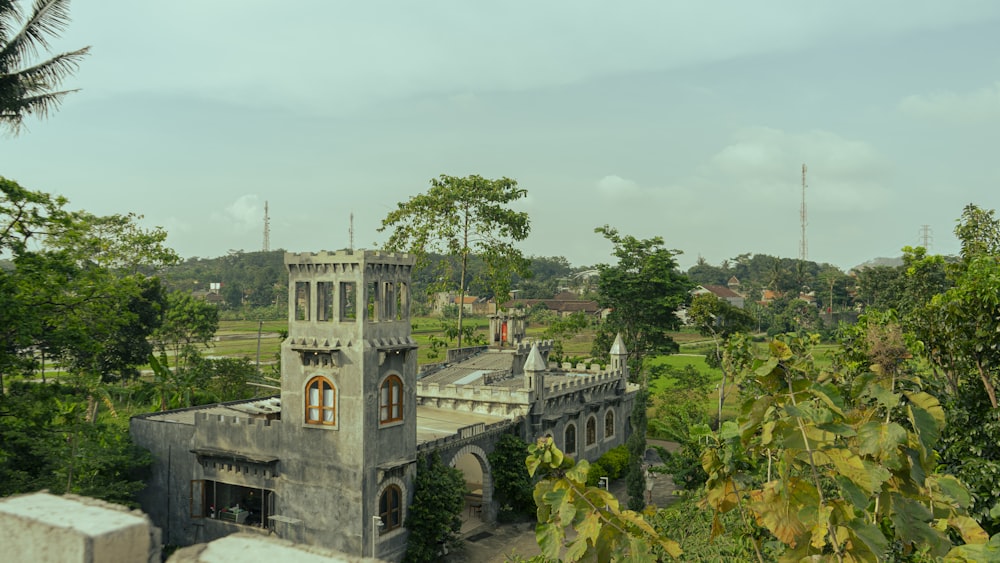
x,y
597,470
616,460
613,465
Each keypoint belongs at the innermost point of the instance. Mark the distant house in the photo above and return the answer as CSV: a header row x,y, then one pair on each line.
x,y
470,303
721,292
734,284
565,303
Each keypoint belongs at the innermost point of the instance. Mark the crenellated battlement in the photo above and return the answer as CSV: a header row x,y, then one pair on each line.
x,y
237,432
483,393
349,256
592,368
581,382
468,434
524,347
207,419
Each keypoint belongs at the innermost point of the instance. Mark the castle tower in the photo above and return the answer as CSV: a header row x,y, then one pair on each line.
x,y
348,393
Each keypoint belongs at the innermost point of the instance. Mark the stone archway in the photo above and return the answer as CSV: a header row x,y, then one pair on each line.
x,y
485,475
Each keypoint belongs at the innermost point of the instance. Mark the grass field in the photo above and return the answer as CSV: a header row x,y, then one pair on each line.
x,y
240,339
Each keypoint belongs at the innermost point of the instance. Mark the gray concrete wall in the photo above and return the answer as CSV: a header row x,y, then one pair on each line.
x,y
41,528
166,498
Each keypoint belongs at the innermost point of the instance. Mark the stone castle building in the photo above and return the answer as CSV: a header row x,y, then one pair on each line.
x,y
331,461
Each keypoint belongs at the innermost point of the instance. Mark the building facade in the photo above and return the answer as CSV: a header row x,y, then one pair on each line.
x,y
331,461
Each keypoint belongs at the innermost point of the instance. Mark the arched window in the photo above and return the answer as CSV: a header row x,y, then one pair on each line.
x,y
570,437
591,431
609,424
390,508
391,399
321,402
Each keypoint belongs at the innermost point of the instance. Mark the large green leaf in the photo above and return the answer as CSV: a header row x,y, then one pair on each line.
x,y
853,493
850,465
927,417
882,441
830,395
870,535
549,537
911,520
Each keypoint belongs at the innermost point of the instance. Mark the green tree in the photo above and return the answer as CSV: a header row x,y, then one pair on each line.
x,y
643,290
188,323
28,86
512,484
434,517
461,217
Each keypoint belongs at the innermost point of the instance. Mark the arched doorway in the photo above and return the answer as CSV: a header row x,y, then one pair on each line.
x,y
475,467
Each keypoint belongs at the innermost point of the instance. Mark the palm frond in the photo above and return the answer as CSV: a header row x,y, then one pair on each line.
x,y
47,18
52,71
10,18
32,90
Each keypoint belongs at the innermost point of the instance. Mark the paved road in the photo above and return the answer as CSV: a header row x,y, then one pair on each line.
x,y
492,544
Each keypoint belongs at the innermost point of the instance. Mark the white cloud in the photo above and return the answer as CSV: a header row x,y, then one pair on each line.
x,y
955,107
746,196
764,165
616,186
241,216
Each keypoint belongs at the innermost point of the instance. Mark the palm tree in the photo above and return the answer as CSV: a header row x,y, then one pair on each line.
x,y
29,87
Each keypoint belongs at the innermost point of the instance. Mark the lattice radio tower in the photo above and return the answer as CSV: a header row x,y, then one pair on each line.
x,y
267,230
350,232
925,236
803,245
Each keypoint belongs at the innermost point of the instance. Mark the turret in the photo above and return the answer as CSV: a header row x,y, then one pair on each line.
x,y
534,372
619,356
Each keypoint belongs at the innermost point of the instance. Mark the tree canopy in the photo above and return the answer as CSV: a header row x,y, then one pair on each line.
x,y
643,290
461,217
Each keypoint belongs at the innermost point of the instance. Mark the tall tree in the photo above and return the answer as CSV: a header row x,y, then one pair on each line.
x,y
461,217
188,322
28,86
643,290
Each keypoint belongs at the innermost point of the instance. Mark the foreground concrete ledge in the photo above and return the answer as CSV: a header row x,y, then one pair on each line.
x,y
45,527
248,548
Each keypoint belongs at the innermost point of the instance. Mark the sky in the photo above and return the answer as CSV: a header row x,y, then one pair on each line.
x,y
685,120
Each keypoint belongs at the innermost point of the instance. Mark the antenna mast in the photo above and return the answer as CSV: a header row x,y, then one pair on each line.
x,y
350,233
267,230
803,246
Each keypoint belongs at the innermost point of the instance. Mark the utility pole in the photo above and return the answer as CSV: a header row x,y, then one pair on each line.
x,y
267,230
803,246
